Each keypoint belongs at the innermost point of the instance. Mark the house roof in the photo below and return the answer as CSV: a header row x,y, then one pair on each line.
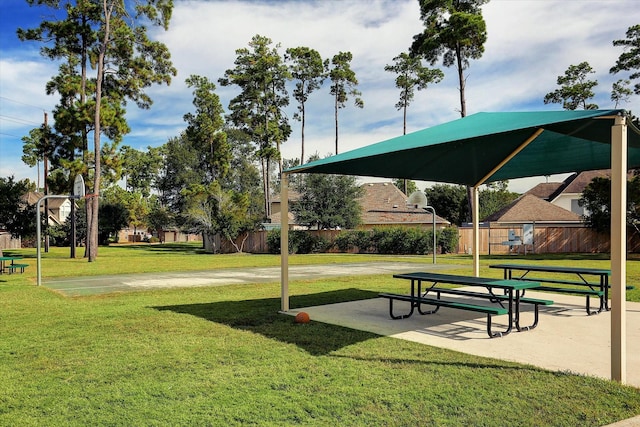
x,y
381,203
384,203
545,190
32,198
529,208
576,184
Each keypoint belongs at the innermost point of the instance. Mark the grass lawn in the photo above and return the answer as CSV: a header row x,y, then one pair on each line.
x,y
223,356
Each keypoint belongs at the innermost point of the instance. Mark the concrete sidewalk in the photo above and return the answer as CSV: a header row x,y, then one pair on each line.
x,y
93,285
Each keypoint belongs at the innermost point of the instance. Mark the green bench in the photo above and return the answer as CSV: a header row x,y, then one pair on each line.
x,y
579,289
418,301
526,300
12,268
582,287
498,298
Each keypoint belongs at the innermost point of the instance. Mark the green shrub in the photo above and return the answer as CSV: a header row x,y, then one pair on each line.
x,y
344,241
448,240
300,242
273,241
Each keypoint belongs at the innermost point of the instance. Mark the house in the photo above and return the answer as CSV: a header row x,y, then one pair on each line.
x,y
531,209
383,204
58,209
276,212
531,223
567,194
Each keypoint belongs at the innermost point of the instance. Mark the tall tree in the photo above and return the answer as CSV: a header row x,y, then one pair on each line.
x,y
328,201
620,92
629,60
140,168
407,186
306,67
575,89
596,199
454,30
449,201
181,167
343,84
15,215
112,39
411,76
205,129
258,109
494,197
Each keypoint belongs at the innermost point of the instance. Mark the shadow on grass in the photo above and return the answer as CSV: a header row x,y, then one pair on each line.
x,y
171,248
261,316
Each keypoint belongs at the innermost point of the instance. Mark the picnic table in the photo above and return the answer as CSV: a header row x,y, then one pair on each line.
x,y
505,302
12,267
597,288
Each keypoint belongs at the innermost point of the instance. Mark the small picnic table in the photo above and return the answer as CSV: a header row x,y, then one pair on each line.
x,y
4,259
582,286
507,301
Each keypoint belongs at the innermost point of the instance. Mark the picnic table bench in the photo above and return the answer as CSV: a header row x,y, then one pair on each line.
x,y
505,303
12,267
589,288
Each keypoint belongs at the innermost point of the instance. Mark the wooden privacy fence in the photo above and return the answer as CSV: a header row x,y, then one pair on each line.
x,y
546,239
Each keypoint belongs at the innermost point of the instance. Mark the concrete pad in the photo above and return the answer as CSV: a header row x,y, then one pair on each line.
x,y
566,339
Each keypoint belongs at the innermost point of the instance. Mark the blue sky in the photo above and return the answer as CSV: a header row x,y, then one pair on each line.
x,y
530,43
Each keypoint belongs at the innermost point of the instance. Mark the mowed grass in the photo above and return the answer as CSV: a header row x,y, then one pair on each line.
x,y
224,356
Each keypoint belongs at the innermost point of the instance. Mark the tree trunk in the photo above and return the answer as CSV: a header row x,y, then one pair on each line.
x,y
264,186
463,113
336,116
92,232
302,153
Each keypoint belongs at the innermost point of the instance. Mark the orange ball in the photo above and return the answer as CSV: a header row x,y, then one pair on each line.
x,y
302,317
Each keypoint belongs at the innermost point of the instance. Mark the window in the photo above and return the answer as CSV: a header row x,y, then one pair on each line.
x,y
576,208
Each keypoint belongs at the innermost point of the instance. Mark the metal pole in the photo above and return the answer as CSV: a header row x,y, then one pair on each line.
x,y
433,217
38,233
284,242
38,268
618,250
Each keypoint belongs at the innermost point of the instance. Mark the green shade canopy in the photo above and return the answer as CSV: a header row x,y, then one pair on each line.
x,y
488,147
469,151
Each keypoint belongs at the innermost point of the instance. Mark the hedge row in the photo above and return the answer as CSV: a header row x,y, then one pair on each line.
x,y
389,240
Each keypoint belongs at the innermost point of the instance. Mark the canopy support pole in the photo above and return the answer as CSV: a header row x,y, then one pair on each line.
x,y
511,156
618,249
475,205
475,214
284,242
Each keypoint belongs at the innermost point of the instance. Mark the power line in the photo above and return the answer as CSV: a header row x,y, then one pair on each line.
x,y
8,134
19,120
23,103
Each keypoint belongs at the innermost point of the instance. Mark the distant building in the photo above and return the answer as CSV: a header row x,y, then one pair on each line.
x,y
531,209
567,194
382,203
58,209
